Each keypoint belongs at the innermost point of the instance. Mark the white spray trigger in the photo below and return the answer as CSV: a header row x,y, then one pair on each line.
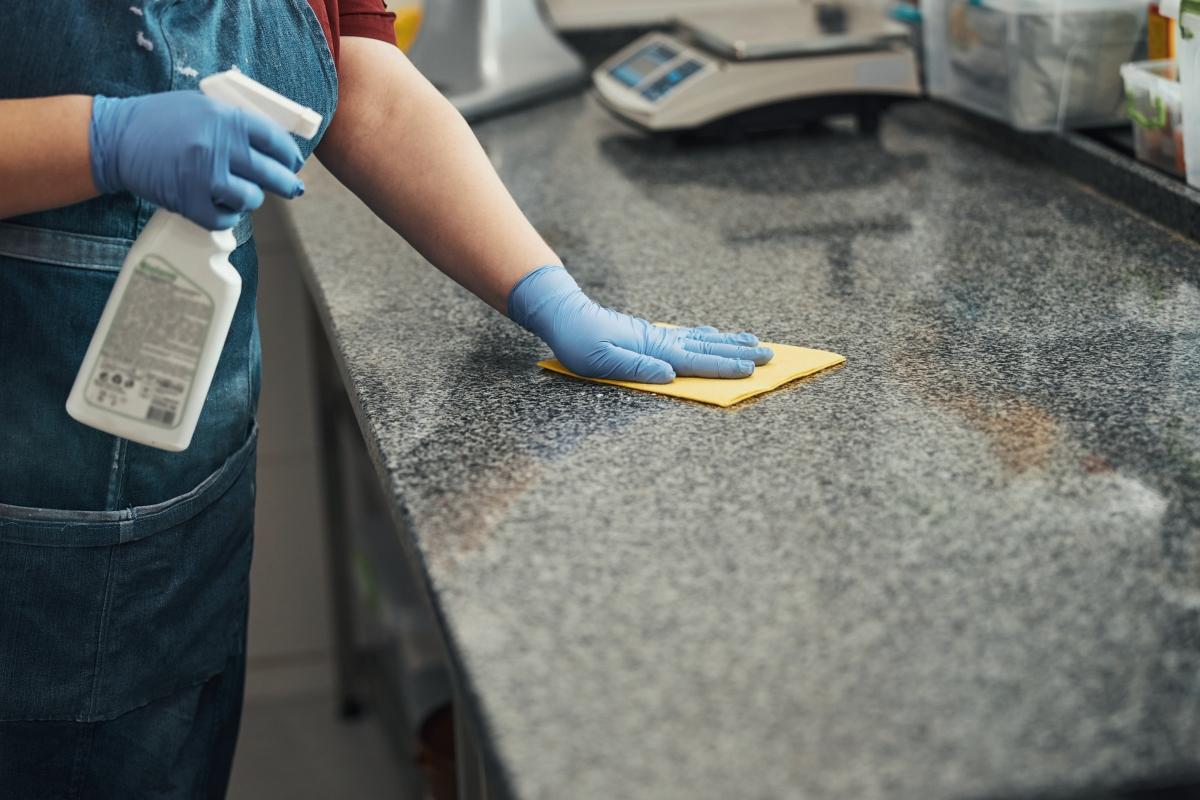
x,y
248,94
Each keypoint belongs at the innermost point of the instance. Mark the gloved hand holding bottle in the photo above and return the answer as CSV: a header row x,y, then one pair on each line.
x,y
597,342
148,322
191,154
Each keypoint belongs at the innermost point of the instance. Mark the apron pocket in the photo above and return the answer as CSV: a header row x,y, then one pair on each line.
x,y
102,612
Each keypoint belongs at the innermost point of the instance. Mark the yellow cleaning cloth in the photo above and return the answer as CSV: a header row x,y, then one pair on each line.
x,y
788,364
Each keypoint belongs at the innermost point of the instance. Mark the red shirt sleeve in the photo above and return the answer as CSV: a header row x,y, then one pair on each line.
x,y
367,18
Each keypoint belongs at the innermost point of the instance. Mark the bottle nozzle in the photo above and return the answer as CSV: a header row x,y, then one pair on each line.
x,y
246,93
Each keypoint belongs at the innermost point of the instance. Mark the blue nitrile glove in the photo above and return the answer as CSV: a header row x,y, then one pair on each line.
x,y
189,153
597,342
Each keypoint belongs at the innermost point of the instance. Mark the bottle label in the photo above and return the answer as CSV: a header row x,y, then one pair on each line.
x,y
149,358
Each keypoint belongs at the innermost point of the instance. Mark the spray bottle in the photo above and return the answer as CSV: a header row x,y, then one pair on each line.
x,y
151,361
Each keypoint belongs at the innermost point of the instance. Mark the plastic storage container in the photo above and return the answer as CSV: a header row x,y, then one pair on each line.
x,y
1036,64
1187,14
1153,101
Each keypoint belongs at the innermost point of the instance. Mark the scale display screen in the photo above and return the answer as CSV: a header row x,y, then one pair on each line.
x,y
634,69
672,79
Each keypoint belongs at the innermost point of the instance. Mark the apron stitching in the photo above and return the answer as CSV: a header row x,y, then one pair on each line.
x,y
172,62
143,209
174,511
27,230
83,756
250,398
328,65
77,262
119,498
306,10
105,610
212,721
116,475
64,264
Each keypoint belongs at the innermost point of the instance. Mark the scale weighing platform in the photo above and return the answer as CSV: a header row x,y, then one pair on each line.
x,y
761,68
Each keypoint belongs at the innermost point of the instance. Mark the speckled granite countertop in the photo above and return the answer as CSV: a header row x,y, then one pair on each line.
x,y
966,564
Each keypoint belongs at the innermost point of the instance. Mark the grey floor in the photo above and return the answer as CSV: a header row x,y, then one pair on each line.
x,y
296,748
292,745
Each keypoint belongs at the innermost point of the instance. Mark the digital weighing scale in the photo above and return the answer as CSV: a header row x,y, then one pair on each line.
x,y
762,67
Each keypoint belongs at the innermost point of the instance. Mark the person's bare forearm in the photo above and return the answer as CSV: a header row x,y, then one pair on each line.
x,y
401,147
44,160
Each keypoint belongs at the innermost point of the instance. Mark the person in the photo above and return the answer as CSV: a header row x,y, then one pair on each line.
x,y
123,568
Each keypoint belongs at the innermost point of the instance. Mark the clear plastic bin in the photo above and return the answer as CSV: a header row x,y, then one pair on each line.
x,y
1036,64
1153,101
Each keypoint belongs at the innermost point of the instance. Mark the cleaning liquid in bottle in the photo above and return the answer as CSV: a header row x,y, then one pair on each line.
x,y
151,361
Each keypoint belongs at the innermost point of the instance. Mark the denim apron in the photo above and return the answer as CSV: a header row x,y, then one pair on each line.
x,y
124,569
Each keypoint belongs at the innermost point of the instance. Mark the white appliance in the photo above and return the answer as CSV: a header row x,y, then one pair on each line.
x,y
488,56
